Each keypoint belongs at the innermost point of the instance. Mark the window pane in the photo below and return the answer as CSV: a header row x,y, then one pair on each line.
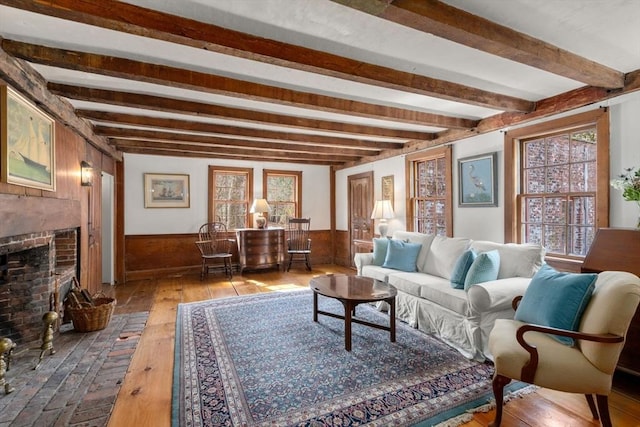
x,y
281,188
558,149
533,209
558,179
583,177
534,153
441,188
533,234
534,180
555,238
581,239
583,146
583,210
555,210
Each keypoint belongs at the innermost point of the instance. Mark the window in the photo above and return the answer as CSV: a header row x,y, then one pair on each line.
x,y
429,210
562,167
230,195
283,190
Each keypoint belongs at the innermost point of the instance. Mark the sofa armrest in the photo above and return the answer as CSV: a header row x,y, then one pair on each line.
x,y
496,295
361,259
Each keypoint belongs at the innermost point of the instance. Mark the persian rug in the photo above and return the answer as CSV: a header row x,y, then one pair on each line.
x,y
260,360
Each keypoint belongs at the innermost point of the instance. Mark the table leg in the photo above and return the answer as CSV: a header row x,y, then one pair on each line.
x,y
392,319
315,307
348,311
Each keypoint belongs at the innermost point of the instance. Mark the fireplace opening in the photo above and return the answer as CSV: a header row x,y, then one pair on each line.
x,y
36,271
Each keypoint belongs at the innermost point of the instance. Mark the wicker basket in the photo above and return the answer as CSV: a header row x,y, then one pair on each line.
x,y
89,318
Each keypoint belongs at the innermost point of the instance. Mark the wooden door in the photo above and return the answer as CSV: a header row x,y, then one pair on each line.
x,y
360,207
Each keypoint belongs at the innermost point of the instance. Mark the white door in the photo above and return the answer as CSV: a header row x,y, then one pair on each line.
x,y
108,265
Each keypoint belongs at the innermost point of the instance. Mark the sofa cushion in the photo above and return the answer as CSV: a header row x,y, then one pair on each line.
x,y
377,272
516,260
556,299
461,268
415,237
432,288
484,269
380,250
402,255
443,254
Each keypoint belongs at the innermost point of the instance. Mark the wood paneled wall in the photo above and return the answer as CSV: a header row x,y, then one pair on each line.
x,y
149,256
27,210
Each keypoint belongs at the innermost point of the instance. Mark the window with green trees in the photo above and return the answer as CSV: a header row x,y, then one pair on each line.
x,y
283,191
230,195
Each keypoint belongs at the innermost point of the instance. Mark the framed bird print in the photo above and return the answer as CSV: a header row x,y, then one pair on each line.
x,y
478,183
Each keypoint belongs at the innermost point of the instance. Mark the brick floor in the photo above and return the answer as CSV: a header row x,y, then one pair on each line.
x,y
76,386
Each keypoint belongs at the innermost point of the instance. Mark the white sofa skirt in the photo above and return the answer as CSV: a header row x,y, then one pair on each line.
x,y
465,334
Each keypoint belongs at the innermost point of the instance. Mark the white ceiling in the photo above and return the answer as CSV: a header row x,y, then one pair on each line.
x,y
604,31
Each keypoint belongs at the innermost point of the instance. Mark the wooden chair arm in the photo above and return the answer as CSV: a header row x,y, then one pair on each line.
x,y
529,370
516,302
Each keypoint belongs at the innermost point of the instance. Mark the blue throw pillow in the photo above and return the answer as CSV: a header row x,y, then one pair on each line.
x,y
556,299
484,268
402,255
380,250
461,268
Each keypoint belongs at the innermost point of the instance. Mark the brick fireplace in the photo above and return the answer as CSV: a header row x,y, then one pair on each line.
x,y
34,268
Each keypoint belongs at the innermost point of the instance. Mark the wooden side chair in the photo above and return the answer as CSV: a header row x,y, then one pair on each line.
x,y
214,247
530,353
298,241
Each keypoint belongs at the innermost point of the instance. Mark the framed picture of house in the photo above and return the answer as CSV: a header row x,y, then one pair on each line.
x,y
166,190
478,183
387,188
27,141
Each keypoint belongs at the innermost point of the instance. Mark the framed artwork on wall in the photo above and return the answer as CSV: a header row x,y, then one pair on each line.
x,y
166,190
27,141
387,188
478,183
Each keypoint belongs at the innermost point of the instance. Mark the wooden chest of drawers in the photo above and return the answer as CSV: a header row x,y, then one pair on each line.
x,y
260,248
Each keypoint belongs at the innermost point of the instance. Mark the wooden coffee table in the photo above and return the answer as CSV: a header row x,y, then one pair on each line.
x,y
351,291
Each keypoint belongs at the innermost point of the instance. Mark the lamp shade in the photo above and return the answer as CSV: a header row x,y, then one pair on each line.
x,y
259,206
382,210
86,174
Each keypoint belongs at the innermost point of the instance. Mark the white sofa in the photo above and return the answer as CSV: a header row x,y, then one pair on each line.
x,y
426,299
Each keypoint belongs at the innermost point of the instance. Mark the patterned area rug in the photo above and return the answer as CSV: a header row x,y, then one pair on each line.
x,y
260,360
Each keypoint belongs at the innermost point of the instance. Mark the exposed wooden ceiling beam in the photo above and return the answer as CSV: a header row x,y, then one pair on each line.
x,y
220,85
154,135
158,103
27,81
136,20
587,95
185,125
450,23
178,149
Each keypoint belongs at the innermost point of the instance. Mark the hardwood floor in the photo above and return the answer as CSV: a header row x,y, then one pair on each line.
x,y
145,396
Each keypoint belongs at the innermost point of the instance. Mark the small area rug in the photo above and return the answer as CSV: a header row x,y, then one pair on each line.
x,y
260,360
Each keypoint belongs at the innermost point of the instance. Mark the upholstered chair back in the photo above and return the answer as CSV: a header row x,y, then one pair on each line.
x,y
610,310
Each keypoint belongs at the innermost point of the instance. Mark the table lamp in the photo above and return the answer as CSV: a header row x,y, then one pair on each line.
x,y
259,207
382,211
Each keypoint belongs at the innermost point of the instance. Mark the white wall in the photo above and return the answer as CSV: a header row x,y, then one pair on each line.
x,y
476,223
138,220
488,223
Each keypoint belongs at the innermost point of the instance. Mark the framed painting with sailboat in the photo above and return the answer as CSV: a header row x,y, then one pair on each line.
x,y
27,137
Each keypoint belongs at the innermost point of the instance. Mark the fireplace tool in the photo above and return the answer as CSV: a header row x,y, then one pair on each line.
x,y
49,319
6,347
